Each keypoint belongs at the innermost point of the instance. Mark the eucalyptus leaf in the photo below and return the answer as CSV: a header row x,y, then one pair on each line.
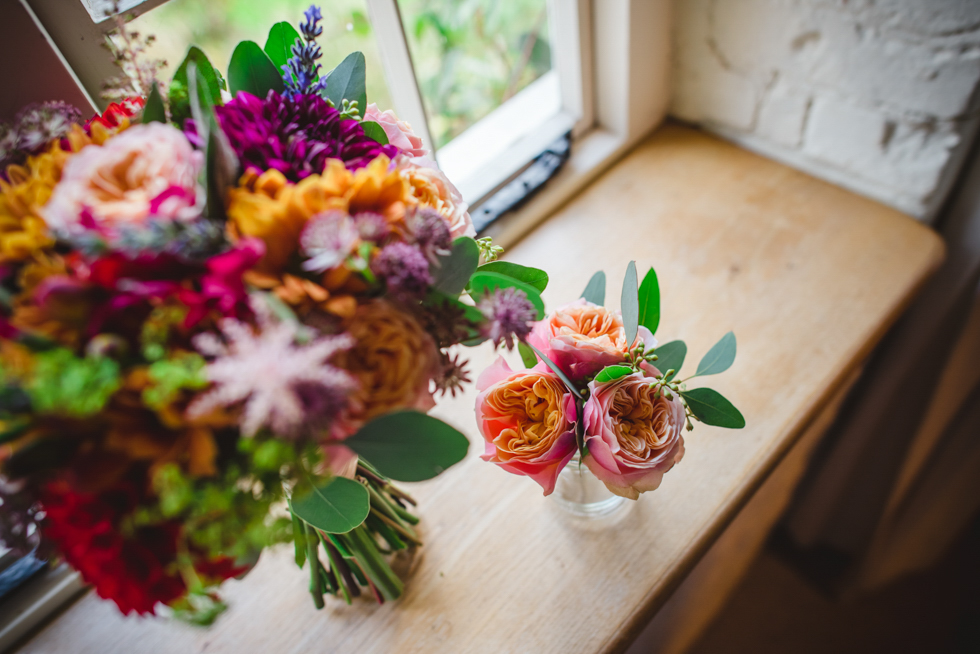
x,y
670,356
278,45
251,70
649,296
454,270
221,170
611,373
528,356
630,304
346,82
558,371
711,408
335,507
409,445
483,281
154,111
719,358
595,290
531,276
374,131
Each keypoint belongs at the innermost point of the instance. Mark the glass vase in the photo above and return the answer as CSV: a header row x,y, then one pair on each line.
x,y
580,493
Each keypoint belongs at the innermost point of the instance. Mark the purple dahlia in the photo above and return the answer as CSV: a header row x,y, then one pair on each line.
x,y
297,136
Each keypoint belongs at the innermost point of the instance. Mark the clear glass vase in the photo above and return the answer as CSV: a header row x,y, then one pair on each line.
x,y
580,493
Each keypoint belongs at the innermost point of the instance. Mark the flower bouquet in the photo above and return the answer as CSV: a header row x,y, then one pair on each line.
x,y
224,309
598,386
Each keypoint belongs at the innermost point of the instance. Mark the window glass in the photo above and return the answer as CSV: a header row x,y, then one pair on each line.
x,y
471,56
216,26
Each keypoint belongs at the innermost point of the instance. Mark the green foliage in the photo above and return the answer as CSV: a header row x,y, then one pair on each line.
x,y
374,131
711,408
530,276
558,371
670,356
595,290
347,82
454,270
649,296
62,383
488,251
251,70
335,507
154,111
210,85
630,304
483,281
170,376
409,446
611,373
278,45
528,356
157,328
719,358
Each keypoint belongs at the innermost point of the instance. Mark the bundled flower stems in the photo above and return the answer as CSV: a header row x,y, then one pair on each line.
x,y
226,304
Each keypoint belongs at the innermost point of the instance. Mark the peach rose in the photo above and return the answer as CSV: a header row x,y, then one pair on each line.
x,y
433,189
393,361
148,170
583,338
399,132
528,421
633,435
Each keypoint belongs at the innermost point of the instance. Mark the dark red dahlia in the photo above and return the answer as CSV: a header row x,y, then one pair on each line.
x,y
295,137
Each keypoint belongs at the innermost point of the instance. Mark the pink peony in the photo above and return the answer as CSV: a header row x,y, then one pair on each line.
x,y
632,434
583,338
147,171
399,132
528,421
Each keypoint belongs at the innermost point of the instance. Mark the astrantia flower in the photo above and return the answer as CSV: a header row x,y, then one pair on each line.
x,y
404,268
509,313
328,239
271,374
430,232
39,124
295,136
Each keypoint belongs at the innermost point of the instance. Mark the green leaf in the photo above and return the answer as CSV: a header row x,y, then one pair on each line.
x,y
454,269
374,131
154,111
595,290
530,276
630,304
719,358
335,507
252,71
670,356
528,356
278,45
483,281
649,296
409,445
558,371
711,408
610,373
221,170
346,82
210,85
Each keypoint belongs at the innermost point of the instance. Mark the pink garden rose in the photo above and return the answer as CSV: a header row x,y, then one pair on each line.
x,y
633,435
399,132
583,338
528,421
434,190
148,170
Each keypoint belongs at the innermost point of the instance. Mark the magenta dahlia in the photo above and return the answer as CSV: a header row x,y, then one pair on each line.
x,y
295,136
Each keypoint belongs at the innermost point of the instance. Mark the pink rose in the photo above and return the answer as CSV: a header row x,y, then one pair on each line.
x,y
633,435
528,421
399,132
583,338
147,170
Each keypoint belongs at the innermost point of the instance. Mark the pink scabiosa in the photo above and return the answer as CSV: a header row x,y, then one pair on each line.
x,y
404,268
295,136
509,314
289,388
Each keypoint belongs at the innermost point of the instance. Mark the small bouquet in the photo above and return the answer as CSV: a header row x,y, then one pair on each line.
x,y
598,385
223,317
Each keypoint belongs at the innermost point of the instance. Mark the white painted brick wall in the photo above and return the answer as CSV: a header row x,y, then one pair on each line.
x,y
879,96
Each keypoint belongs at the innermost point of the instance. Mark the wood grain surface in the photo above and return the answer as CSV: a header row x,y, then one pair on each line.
x,y
807,275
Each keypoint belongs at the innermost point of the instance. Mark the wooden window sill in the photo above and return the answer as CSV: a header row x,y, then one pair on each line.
x,y
808,276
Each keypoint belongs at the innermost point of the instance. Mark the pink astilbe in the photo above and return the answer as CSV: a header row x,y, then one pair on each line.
x,y
275,377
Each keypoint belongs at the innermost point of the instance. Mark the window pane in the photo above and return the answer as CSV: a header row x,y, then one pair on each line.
x,y
216,26
471,56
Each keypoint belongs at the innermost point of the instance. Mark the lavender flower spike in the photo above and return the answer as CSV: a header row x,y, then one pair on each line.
x,y
509,313
301,70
